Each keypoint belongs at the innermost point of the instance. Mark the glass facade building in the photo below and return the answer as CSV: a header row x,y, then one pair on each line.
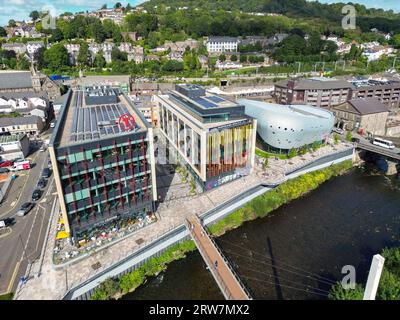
x,y
211,135
104,171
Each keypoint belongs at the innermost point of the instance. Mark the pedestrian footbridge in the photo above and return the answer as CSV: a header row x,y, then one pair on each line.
x,y
223,273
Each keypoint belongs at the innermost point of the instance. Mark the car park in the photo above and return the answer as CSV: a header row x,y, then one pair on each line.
x,y
24,209
42,183
36,195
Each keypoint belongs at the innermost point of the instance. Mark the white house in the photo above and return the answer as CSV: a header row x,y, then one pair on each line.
x,y
222,44
33,46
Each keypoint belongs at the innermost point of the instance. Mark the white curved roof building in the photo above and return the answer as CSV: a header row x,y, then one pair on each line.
x,y
289,126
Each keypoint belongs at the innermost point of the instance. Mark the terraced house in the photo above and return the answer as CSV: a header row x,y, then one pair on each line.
x,y
103,158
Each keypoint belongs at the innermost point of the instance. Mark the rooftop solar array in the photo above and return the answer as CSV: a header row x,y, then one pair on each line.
x,y
95,121
205,103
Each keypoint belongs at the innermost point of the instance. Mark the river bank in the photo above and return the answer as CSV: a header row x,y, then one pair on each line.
x,y
298,250
256,208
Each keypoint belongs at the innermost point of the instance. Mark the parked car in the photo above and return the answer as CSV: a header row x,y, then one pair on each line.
x,y
4,170
42,183
46,173
18,160
25,208
36,195
338,130
8,222
5,164
357,140
23,165
49,165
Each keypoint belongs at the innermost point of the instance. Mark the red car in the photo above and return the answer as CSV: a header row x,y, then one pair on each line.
x,y
6,164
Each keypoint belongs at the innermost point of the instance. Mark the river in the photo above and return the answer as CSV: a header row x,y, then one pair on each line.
x,y
299,250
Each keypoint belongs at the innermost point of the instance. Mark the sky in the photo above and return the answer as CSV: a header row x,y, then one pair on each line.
x,y
20,9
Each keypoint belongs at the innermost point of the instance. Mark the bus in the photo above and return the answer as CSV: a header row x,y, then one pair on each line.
x,y
383,143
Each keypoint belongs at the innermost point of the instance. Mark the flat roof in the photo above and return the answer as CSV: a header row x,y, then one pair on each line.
x,y
82,122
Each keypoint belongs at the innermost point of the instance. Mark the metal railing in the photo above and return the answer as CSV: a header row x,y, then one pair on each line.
x,y
220,281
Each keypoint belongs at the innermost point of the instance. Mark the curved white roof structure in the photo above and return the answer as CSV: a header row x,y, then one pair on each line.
x,y
289,126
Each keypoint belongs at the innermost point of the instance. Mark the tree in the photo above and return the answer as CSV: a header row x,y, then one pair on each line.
x,y
34,15
234,58
83,54
38,56
99,60
222,58
3,32
349,136
243,58
128,7
56,57
118,55
336,138
12,23
118,5
172,66
104,6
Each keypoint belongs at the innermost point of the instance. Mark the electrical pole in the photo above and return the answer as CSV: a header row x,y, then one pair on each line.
x,y
374,276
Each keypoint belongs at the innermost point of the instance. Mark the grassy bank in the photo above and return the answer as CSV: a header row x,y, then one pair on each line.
x,y
115,288
256,208
389,285
7,296
261,206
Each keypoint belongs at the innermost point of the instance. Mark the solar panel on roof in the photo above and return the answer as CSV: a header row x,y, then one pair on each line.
x,y
110,130
115,111
102,130
80,120
99,115
204,103
87,120
215,99
105,114
94,119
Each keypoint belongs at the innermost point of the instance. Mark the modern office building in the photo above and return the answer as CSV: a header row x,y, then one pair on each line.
x,y
103,160
211,135
286,127
317,92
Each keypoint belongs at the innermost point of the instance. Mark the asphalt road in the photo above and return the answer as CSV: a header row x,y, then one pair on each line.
x,y
24,243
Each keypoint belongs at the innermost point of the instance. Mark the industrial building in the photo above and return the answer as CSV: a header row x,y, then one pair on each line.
x,y
13,147
286,127
211,135
103,160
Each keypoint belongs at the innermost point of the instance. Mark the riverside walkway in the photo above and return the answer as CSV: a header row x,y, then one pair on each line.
x,y
226,278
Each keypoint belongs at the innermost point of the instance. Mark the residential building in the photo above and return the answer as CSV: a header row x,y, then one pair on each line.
x,y
129,36
366,115
29,125
282,128
209,134
18,48
13,146
222,44
33,46
103,160
317,92
73,52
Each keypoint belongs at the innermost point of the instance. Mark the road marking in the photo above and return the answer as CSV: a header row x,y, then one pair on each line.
x,y
14,275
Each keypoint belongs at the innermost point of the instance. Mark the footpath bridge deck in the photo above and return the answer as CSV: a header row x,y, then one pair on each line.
x,y
226,278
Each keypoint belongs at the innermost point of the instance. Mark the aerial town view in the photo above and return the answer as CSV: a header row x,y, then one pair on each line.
x,y
199,150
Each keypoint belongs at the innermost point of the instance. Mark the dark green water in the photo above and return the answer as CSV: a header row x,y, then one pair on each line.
x,y
298,250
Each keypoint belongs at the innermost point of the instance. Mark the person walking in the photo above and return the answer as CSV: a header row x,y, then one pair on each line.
x,y
216,264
